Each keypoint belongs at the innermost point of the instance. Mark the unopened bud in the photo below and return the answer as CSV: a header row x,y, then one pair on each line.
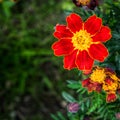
x,y
73,107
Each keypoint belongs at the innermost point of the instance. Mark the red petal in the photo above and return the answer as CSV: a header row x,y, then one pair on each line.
x,y
111,97
74,22
103,35
87,72
98,87
86,82
107,69
61,31
91,87
62,47
98,52
84,61
108,81
93,24
69,61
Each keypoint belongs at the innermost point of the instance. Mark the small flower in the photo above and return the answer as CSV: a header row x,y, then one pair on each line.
x,y
73,107
91,4
81,42
103,79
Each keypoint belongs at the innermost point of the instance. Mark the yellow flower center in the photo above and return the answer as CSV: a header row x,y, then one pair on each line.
x,y
82,40
112,87
84,2
98,75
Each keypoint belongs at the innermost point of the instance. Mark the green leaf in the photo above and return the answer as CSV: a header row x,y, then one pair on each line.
x,y
68,97
6,7
60,115
74,86
82,106
88,103
54,117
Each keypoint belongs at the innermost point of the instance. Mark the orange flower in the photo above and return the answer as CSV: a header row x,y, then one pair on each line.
x,y
81,42
103,79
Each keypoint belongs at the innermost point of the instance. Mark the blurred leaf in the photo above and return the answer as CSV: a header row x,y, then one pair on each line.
x,y
73,84
68,97
60,115
54,117
6,7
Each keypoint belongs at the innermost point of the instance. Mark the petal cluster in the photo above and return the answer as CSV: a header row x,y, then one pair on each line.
x,y
103,79
80,43
91,4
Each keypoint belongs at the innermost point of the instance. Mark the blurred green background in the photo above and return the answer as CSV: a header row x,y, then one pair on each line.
x,y
31,77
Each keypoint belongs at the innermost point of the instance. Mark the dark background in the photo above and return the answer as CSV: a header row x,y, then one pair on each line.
x,y
31,77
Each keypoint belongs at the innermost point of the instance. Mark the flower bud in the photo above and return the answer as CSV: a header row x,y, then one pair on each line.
x,y
73,107
117,116
92,4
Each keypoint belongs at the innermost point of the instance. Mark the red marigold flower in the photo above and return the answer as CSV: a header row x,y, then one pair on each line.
x,y
103,79
111,97
81,42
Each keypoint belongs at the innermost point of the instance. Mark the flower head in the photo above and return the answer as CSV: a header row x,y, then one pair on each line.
x,y
73,107
91,4
81,42
81,2
103,79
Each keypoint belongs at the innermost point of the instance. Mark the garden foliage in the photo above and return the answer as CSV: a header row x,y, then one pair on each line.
x,y
94,105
